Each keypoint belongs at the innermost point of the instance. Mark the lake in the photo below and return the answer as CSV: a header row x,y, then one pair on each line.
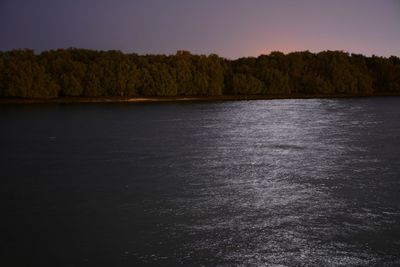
x,y
247,183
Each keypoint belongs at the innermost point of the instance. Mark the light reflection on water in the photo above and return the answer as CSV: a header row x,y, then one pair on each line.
x,y
281,183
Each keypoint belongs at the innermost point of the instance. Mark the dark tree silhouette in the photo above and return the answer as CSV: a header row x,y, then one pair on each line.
x,y
87,73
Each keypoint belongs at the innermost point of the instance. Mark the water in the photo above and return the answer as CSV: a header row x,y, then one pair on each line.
x,y
251,183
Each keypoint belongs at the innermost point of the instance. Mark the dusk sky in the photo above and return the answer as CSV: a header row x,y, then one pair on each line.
x,y
229,28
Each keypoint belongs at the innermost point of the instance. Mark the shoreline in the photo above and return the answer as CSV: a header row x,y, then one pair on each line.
x,y
81,100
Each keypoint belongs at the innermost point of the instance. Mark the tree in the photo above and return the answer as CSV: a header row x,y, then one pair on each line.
x,y
80,72
243,84
275,82
2,75
184,71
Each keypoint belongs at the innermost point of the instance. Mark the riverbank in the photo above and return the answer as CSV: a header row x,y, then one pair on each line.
x,y
71,100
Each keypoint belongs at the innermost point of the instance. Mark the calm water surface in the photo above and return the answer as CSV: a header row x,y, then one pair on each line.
x,y
251,183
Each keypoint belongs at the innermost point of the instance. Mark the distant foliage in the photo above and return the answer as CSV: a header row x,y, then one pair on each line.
x,y
87,73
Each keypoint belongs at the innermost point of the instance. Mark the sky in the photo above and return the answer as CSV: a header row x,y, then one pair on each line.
x,y
229,28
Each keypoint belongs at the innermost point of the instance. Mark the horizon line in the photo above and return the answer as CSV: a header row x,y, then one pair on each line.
x,y
40,51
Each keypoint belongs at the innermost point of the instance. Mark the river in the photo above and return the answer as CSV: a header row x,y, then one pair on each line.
x,y
246,183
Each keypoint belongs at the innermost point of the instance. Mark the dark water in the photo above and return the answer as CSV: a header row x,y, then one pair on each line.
x,y
275,183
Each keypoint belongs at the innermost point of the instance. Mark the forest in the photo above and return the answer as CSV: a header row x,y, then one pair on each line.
x,y
88,73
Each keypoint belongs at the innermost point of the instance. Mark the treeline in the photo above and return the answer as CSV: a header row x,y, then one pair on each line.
x,y
88,73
